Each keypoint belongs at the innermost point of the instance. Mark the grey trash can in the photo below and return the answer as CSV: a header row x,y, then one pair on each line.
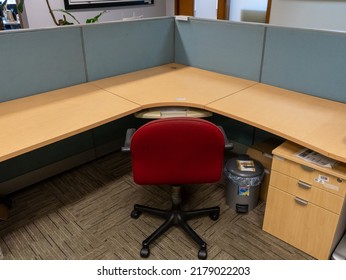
x,y
244,176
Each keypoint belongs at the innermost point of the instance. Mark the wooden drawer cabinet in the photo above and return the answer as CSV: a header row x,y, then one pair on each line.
x,y
306,203
307,227
310,175
307,192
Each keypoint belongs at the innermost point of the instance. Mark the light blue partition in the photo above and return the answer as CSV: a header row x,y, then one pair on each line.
x,y
307,61
221,46
120,47
34,61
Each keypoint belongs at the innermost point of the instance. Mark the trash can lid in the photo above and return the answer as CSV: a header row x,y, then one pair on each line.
x,y
244,166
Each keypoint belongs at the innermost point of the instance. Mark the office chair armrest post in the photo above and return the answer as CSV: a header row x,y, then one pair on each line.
x,y
228,145
127,144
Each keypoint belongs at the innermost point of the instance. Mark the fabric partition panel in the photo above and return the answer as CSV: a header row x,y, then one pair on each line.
x,y
46,155
121,47
35,61
307,61
111,136
226,47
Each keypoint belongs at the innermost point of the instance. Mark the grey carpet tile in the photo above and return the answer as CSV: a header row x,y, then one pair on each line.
x,y
84,213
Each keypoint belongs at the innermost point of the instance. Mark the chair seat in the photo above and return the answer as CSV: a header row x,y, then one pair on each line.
x,y
177,151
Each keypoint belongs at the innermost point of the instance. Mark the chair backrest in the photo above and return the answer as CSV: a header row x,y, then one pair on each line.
x,y
176,151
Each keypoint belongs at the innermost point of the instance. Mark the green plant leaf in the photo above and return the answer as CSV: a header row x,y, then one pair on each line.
x,y
96,18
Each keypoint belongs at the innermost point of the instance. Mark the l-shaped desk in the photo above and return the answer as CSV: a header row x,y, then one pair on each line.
x,y
319,124
32,122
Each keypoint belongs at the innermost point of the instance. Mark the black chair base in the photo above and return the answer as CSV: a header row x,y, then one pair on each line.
x,y
178,217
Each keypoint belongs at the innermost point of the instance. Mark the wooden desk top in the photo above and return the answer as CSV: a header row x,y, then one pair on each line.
x,y
313,122
32,122
173,85
35,121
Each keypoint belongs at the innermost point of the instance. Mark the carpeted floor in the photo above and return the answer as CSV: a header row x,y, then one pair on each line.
x,y
85,214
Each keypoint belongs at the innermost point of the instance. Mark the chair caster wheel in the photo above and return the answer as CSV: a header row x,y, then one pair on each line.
x,y
202,254
145,252
135,214
214,216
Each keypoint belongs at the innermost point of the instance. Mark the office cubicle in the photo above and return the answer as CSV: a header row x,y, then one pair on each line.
x,y
307,61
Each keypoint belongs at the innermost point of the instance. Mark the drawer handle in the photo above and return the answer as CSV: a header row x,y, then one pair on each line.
x,y
301,201
267,155
304,185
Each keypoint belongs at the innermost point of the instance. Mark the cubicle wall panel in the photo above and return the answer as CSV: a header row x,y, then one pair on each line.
x,y
235,130
307,61
221,46
121,47
45,156
36,61
111,136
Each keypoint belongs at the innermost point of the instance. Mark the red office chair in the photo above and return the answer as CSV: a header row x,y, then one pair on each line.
x,y
177,151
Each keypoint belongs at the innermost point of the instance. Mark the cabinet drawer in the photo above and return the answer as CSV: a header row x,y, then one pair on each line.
x,y
307,192
307,227
311,176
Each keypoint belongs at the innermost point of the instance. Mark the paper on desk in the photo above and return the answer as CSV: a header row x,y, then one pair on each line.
x,y
316,158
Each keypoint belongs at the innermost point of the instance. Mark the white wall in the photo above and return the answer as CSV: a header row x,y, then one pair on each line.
x,y
170,8
317,14
236,6
206,9
38,15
